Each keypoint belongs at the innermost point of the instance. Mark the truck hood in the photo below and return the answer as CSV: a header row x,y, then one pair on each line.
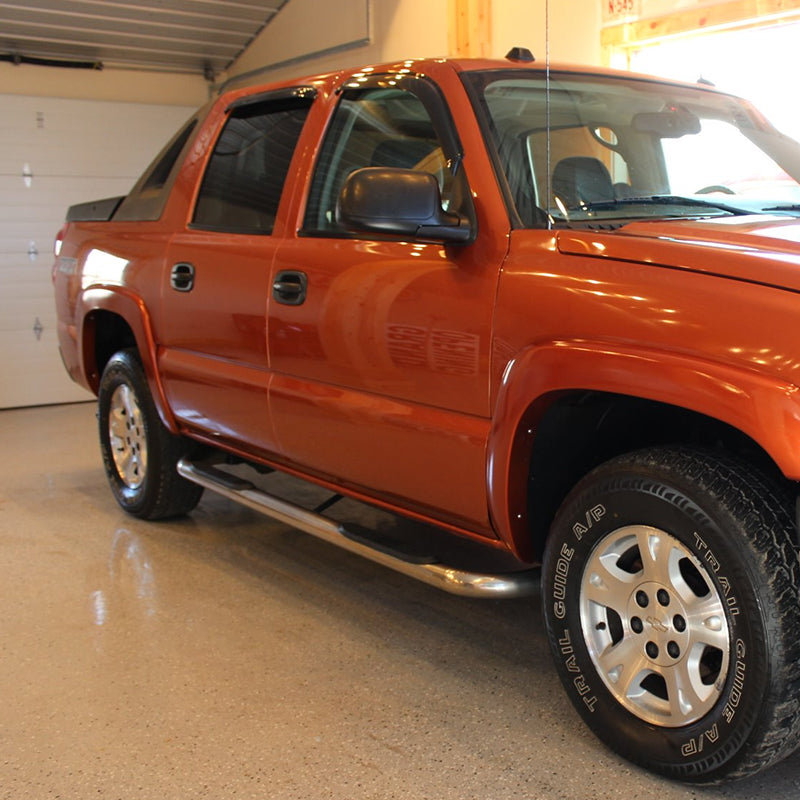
x,y
754,248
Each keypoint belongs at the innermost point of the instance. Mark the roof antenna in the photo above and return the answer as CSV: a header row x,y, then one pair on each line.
x,y
520,54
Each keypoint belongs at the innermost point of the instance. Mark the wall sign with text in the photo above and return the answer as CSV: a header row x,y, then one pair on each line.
x,y
620,10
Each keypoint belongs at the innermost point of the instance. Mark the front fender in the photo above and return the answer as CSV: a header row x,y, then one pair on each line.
x,y
763,407
129,307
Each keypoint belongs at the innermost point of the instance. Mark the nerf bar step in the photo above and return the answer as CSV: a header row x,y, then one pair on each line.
x,y
455,581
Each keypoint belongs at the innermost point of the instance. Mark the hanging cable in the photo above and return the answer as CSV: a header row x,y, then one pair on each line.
x,y
547,107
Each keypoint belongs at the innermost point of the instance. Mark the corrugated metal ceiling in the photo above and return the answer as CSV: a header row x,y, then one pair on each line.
x,y
194,36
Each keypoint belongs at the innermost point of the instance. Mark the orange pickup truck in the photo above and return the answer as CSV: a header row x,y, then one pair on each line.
x,y
554,312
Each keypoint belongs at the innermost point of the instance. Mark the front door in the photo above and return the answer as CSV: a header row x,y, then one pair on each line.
x,y
381,362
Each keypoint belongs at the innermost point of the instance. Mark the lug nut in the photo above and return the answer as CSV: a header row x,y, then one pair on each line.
x,y
673,649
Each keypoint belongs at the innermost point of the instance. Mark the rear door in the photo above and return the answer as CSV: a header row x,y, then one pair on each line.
x,y
381,359
213,355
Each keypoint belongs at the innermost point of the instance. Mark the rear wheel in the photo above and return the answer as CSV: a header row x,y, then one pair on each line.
x,y
671,603
140,455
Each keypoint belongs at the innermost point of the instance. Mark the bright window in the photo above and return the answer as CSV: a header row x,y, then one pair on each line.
x,y
758,63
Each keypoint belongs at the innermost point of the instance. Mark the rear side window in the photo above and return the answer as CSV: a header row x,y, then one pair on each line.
x,y
161,170
244,179
148,197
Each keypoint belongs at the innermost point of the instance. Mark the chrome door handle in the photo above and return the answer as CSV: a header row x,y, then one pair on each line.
x,y
181,277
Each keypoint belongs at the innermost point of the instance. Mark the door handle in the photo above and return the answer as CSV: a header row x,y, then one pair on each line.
x,y
290,287
181,277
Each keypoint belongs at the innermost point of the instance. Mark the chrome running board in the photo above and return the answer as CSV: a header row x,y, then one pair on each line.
x,y
455,581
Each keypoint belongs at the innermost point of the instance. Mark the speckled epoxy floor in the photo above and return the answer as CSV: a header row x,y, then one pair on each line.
x,y
227,656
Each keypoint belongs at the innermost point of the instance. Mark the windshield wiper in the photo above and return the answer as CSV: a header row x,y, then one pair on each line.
x,y
665,200
783,207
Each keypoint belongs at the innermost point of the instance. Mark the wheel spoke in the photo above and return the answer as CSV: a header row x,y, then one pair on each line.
x,y
607,585
706,621
684,700
659,557
622,662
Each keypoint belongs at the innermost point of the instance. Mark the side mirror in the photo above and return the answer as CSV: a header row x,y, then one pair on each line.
x,y
404,202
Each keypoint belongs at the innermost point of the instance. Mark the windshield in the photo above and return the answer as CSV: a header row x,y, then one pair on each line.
x,y
625,148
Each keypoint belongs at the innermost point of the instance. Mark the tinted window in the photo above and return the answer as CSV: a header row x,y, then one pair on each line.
x,y
162,168
244,179
382,127
148,197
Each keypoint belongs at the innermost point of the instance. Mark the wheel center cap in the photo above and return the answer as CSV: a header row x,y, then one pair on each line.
x,y
657,625
658,622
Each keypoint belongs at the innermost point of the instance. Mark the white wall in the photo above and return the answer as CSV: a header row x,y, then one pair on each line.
x,y
308,37
399,29
109,84
574,35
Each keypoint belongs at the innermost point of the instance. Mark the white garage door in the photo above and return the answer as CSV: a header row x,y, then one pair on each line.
x,y
54,153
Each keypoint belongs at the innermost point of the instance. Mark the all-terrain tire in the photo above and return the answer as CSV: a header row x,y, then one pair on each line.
x,y
139,454
670,594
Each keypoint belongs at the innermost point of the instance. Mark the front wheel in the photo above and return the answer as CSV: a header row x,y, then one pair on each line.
x,y
671,602
140,455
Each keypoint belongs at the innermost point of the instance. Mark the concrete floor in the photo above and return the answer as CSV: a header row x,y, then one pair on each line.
x,y
227,656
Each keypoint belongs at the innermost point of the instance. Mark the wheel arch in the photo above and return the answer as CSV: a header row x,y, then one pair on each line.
x,y
564,408
113,320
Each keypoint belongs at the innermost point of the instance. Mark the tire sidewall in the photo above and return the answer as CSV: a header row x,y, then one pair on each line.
x,y
596,509
123,370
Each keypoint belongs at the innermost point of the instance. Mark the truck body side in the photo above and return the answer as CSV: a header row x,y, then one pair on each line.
x,y
469,293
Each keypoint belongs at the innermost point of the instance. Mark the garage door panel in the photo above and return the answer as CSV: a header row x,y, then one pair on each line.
x,y
16,314
73,151
54,193
13,272
77,137
16,247
60,159
32,369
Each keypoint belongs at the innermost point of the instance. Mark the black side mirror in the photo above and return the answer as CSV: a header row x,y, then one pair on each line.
x,y
404,202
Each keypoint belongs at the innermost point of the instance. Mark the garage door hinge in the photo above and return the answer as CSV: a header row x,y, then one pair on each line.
x,y
27,175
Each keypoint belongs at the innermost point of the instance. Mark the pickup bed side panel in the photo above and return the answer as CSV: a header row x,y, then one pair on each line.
x,y
113,268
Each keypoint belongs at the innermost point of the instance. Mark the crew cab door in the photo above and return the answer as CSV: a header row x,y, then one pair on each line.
x,y
380,345
213,354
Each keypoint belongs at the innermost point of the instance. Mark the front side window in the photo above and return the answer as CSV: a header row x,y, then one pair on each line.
x,y
242,185
591,149
382,126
